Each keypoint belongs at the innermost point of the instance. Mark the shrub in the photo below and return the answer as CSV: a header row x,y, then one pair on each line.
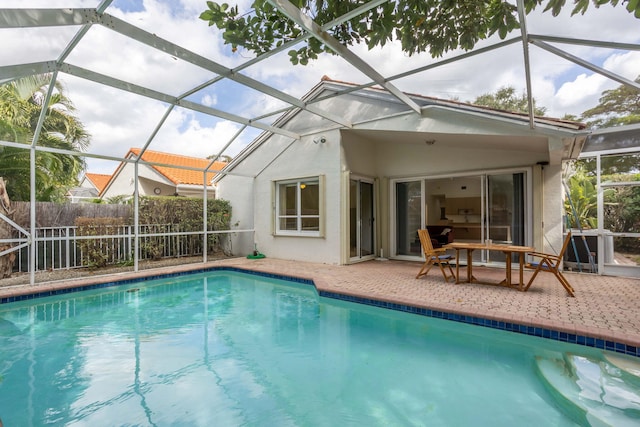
x,y
184,214
96,253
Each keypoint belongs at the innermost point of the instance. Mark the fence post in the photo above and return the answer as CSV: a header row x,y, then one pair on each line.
x,y
66,247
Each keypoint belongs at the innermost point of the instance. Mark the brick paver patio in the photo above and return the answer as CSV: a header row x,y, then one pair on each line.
x,y
604,307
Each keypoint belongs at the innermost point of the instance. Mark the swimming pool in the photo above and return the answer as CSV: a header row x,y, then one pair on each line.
x,y
228,348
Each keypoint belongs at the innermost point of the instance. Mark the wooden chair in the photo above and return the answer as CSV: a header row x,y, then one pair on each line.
x,y
550,263
434,257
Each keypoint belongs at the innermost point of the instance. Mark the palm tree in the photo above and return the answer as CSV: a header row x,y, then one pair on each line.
x,y
21,102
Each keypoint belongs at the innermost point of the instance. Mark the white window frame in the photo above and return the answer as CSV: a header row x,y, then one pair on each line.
x,y
277,231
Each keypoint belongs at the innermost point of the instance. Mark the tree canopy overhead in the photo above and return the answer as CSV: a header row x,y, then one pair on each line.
x,y
620,106
506,98
434,26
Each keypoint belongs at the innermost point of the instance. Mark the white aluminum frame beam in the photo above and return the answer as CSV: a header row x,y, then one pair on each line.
x,y
85,18
105,157
172,49
424,68
287,45
522,15
588,65
309,25
12,18
584,42
169,99
51,66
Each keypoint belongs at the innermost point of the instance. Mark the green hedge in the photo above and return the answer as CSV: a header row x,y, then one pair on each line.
x,y
98,253
185,213
161,215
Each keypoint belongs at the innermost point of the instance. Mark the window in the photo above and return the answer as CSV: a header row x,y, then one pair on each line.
x,y
298,207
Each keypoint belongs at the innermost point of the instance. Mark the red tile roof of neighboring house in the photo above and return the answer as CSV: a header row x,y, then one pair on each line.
x,y
177,175
99,180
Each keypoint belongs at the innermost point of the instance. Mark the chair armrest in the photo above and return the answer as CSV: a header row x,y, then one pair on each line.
x,y
553,260
538,254
543,255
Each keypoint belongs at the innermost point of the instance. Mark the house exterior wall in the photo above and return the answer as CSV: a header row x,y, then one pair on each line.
x,y
386,149
301,158
123,182
406,159
552,225
86,183
239,190
148,179
195,191
378,161
85,192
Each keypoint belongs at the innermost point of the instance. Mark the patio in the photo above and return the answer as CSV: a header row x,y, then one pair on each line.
x,y
604,307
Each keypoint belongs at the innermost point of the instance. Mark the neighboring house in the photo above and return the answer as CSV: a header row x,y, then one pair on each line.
x,y
161,174
90,187
341,194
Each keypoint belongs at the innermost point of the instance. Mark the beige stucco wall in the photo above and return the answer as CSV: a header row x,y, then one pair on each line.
x,y
463,144
252,201
553,209
388,161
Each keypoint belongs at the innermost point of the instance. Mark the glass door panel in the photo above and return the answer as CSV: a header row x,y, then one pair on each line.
x,y
408,217
475,207
366,219
353,218
361,219
505,208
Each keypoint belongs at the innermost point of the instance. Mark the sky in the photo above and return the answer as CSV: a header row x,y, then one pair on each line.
x,y
118,120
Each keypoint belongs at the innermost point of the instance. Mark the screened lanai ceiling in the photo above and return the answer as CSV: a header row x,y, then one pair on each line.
x,y
151,74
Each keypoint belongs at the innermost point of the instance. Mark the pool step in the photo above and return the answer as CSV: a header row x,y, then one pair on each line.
x,y
592,392
629,366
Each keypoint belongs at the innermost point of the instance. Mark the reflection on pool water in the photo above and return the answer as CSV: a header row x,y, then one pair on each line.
x,y
227,348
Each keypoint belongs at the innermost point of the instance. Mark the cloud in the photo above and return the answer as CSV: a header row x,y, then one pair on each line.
x,y
119,120
209,100
585,90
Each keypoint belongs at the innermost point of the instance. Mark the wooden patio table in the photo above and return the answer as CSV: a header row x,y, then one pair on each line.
x,y
506,249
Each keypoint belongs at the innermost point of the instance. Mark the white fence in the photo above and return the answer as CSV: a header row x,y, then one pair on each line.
x,y
61,247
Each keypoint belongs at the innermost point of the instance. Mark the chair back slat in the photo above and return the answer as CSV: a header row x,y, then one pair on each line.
x,y
551,263
425,241
565,245
433,257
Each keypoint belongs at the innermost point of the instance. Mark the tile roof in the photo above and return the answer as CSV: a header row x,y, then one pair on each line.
x,y
99,180
176,175
569,124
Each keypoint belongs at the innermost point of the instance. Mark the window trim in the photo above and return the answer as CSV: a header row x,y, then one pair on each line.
x,y
275,197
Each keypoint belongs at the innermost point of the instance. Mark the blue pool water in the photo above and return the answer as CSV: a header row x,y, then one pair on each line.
x,y
231,349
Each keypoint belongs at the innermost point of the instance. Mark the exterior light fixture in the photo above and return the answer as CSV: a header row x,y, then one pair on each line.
x,y
430,141
320,140
303,186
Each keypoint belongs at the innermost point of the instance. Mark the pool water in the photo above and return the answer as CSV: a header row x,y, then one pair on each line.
x,y
232,349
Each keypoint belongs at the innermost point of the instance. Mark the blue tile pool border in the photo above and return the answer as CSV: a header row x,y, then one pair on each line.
x,y
536,331
495,324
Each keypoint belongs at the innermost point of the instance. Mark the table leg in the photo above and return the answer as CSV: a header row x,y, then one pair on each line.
x,y
508,262
469,265
457,265
521,259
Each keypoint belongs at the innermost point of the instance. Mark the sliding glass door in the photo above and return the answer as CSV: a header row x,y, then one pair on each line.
x,y
505,208
409,202
476,207
361,219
